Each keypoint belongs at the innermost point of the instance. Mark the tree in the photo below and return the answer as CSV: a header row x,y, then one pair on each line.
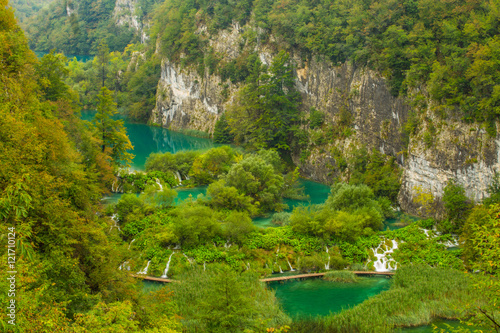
x,y
265,112
210,165
102,58
112,132
222,300
222,132
457,206
481,236
51,73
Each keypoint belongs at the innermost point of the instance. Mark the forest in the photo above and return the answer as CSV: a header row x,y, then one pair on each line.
x,y
75,256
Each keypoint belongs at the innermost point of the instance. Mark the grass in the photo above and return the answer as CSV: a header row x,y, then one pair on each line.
x,y
418,295
341,276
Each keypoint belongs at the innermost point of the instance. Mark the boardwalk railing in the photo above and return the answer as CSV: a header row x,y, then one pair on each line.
x,y
280,278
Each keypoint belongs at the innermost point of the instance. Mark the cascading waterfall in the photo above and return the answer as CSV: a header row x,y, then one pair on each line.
x,y
276,259
248,266
124,265
327,266
133,240
179,178
159,184
448,243
164,276
145,270
188,259
381,264
204,266
115,225
291,268
227,245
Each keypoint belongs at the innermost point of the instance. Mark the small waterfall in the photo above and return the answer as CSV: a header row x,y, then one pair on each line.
x,y
188,259
227,245
124,265
159,184
248,266
448,243
291,268
177,246
204,266
164,276
281,271
327,266
179,178
145,270
115,223
133,240
381,263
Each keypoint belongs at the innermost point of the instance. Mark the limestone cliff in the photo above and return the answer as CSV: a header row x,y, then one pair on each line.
x,y
125,14
188,100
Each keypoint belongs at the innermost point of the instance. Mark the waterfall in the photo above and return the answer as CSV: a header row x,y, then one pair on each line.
x,y
327,266
204,267
133,240
115,223
188,259
448,243
159,184
381,264
227,245
124,265
178,175
248,266
281,271
164,276
145,270
291,268
177,246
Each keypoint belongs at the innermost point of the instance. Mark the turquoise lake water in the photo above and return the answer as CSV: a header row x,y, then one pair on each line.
x,y
313,297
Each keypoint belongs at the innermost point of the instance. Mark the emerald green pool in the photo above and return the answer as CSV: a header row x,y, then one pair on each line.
x,y
317,297
151,139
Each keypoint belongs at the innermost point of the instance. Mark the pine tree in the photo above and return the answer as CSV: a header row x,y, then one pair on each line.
x,y
112,132
222,133
102,58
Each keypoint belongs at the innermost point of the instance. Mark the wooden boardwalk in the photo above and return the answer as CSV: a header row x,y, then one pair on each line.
x,y
280,278
152,278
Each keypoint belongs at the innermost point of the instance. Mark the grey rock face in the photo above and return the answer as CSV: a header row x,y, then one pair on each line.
x,y
186,100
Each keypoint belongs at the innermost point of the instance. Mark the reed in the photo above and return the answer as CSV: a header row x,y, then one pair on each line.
x,y
418,295
341,276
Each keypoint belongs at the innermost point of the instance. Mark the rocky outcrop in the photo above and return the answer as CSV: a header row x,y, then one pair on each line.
x,y
124,14
187,99
459,151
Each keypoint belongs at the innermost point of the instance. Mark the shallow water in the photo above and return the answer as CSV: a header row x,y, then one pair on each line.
x,y
313,297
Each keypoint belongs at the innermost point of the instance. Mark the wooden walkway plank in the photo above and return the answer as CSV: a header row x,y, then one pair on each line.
x,y
280,278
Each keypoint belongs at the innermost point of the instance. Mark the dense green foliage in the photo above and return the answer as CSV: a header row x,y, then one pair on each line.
x,y
52,176
265,113
112,132
77,27
457,206
448,47
24,9
350,212
222,300
222,133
